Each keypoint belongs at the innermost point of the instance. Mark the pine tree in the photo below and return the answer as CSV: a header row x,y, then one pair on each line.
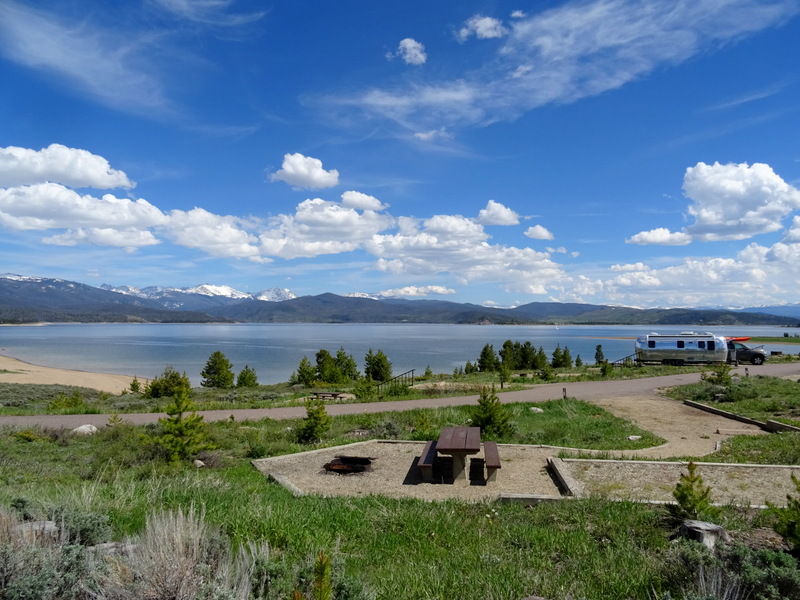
x,y
305,373
377,366
491,416
346,365
218,372
488,361
247,378
182,435
692,496
316,423
599,357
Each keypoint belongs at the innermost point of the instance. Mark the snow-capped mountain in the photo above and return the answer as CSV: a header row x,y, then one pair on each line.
x,y
199,296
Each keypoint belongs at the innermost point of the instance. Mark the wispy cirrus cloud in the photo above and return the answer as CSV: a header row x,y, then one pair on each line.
x,y
561,55
111,68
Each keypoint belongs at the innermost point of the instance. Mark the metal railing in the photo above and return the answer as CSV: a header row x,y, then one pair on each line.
x,y
405,379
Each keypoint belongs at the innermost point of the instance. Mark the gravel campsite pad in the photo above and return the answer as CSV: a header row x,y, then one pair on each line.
x,y
752,485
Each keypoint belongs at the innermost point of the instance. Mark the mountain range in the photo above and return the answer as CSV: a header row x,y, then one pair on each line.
x,y
26,299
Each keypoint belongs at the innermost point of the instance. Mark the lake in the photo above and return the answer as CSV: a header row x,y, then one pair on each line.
x,y
275,350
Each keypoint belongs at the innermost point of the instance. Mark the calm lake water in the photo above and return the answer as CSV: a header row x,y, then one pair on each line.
x,y
274,350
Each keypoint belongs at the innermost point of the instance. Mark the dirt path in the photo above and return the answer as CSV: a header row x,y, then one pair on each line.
x,y
688,431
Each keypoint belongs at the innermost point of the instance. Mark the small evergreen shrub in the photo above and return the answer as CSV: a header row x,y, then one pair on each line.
x,y
316,423
692,497
788,517
491,416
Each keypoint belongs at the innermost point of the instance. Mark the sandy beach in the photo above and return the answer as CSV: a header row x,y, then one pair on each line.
x,y
16,371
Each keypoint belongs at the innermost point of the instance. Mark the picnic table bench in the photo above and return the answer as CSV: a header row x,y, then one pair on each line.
x,y
491,459
459,442
425,462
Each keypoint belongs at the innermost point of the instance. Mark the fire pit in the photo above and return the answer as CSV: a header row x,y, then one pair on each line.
x,y
346,465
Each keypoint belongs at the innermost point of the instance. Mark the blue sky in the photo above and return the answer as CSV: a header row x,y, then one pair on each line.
x,y
643,153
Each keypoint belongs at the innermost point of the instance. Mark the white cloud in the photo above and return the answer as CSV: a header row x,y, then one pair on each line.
x,y
353,199
412,52
792,235
497,214
729,202
631,267
433,134
518,14
736,201
128,238
207,12
572,51
413,290
71,167
538,232
451,244
53,206
304,172
216,235
321,227
482,27
660,235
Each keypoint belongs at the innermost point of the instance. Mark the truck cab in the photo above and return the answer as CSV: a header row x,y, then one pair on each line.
x,y
739,352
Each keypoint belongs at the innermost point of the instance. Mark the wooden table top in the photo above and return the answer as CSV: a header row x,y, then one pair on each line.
x,y
459,439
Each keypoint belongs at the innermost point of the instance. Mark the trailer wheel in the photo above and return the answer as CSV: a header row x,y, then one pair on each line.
x,y
757,360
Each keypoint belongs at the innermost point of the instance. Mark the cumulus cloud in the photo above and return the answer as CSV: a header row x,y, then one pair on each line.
x,y
353,199
497,214
660,235
482,27
71,167
321,227
638,266
792,235
538,232
737,201
216,235
304,172
452,244
128,238
729,202
411,52
53,206
413,290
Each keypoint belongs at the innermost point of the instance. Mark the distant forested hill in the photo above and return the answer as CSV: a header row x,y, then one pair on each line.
x,y
37,299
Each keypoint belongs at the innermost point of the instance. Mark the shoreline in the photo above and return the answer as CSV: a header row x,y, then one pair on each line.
x,y
13,370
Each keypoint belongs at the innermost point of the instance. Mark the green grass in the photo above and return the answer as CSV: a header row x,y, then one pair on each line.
x,y
395,548
31,399
761,398
399,548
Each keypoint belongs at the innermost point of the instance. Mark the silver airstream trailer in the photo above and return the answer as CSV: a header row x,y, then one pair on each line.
x,y
686,347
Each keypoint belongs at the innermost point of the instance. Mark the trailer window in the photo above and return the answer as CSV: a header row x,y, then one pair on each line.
x,y
701,344
681,344
651,343
712,345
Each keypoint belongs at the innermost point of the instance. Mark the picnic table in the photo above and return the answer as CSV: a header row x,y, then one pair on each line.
x,y
327,395
459,442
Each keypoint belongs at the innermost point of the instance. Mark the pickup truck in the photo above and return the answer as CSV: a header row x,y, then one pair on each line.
x,y
739,352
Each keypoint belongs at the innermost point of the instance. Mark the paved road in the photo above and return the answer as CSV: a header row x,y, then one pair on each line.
x,y
584,390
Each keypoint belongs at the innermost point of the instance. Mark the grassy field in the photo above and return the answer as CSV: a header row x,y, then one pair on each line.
x,y
113,484
30,399
759,398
